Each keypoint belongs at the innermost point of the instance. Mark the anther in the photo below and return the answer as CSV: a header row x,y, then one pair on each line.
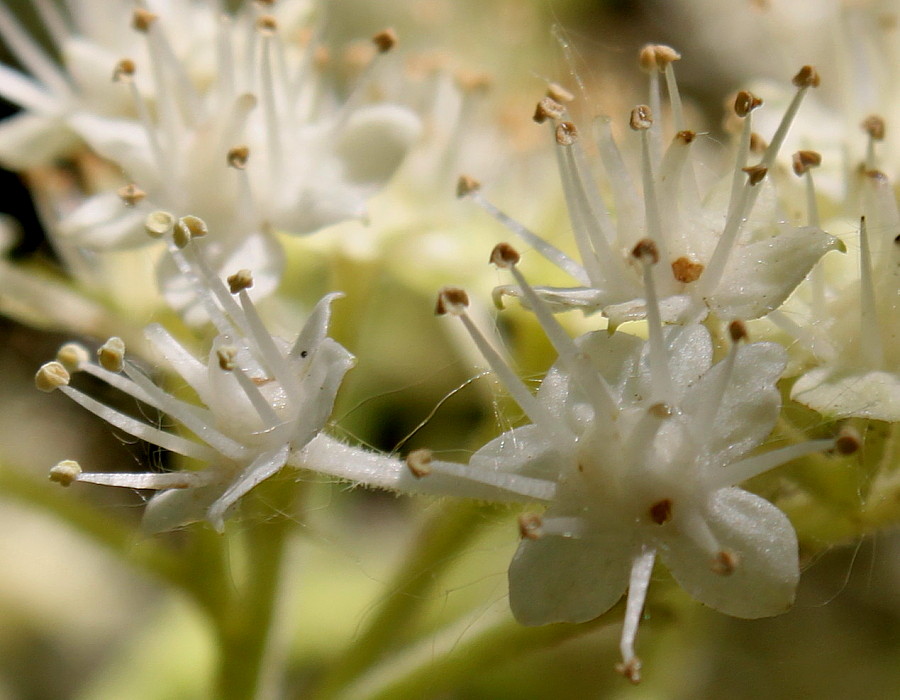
x,y
876,175
661,410
873,125
848,441
725,563
239,281
745,102
558,93
466,185
159,224
65,472
226,355
687,136
72,356
237,157
548,108
531,526
472,82
451,300
419,462
566,133
804,160
142,19
50,376
737,331
112,354
267,25
758,144
631,670
646,251
755,173
187,228
806,77
641,118
124,71
131,194
385,40
686,270
661,511
504,256
657,57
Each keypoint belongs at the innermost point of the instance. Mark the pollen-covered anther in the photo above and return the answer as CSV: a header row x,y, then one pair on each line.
x,y
111,354
566,133
142,19
737,331
873,125
124,71
661,410
745,102
531,526
641,118
804,160
385,40
548,108
226,356
631,669
661,511
65,472
267,25
687,136
131,194
686,270
466,185
72,356
237,157
657,56
504,256
725,563
848,441
755,173
646,251
188,228
239,281
806,77
419,462
159,224
451,300
558,93
50,376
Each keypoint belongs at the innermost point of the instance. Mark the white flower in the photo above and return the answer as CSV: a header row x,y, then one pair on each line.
x,y
722,252
645,442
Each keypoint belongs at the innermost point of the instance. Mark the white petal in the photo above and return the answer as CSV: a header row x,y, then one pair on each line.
x,y
316,327
105,222
326,371
842,394
374,141
765,546
672,310
28,140
264,466
524,451
25,92
168,510
561,299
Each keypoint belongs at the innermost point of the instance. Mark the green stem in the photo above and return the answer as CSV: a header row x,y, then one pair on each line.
x,y
447,531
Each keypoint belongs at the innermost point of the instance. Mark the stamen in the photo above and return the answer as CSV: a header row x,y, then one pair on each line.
x,y
725,563
647,253
239,281
270,111
51,376
623,189
873,125
65,472
558,93
73,356
641,120
131,194
237,157
159,224
548,109
872,349
531,526
641,568
529,487
738,472
385,40
112,354
419,462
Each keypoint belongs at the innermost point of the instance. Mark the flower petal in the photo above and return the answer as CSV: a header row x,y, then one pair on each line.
x,y
374,141
842,394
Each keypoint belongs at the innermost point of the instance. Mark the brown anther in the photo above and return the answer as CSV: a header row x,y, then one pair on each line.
x,y
687,136
661,511
758,144
873,125
267,25
142,19
237,157
531,526
725,563
641,118
848,441
124,70
755,173
646,251
558,93
226,355
50,376
419,462
566,133
806,77
737,331
131,194
661,410
321,57
504,256
804,160
745,102
66,472
239,281
112,354
548,108
657,56
385,40
472,82
631,670
876,175
466,185
686,270
451,300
